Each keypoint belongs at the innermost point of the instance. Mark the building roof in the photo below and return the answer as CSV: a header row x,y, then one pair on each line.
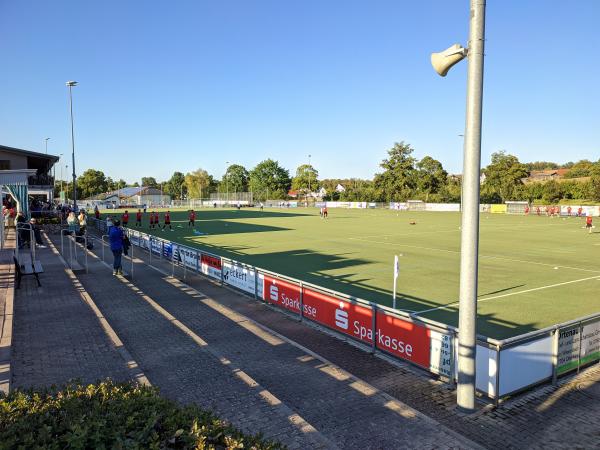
x,y
128,192
20,151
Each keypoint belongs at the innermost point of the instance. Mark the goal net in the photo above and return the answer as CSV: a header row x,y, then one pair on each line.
x,y
415,205
517,207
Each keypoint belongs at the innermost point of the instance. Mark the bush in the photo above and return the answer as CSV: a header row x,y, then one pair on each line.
x,y
112,415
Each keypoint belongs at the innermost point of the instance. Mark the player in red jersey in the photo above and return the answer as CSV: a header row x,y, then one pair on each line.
x,y
167,221
588,223
192,218
538,211
138,218
569,211
125,219
579,211
151,219
526,210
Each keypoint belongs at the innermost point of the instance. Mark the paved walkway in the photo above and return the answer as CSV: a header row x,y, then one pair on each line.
x,y
206,344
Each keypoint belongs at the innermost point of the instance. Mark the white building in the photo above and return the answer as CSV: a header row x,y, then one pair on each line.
x,y
129,196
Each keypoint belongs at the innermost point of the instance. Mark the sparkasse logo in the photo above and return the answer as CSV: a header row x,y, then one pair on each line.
x,y
341,317
274,293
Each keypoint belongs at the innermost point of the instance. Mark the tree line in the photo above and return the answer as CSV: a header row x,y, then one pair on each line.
x,y
403,177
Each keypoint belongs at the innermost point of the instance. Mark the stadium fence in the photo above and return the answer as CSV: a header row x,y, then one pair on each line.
x,y
504,367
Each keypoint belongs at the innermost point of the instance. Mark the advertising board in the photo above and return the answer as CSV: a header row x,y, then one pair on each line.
x,y
210,266
239,276
568,349
186,256
590,343
404,339
156,247
284,294
343,316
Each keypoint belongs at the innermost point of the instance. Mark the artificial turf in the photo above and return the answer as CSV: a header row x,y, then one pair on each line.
x,y
533,271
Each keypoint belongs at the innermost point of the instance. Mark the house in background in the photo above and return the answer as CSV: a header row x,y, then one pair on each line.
x,y
129,196
545,175
37,166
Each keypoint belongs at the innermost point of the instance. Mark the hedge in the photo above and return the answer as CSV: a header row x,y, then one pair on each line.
x,y
113,415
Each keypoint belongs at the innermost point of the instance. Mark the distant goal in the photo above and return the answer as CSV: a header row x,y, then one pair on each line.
x,y
415,205
517,208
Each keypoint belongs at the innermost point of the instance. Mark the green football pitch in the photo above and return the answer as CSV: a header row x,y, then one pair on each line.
x,y
533,271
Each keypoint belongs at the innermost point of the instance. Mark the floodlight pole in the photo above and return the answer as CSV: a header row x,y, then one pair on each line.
x,y
70,84
469,245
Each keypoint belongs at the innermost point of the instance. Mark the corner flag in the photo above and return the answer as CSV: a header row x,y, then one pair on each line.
x,y
396,273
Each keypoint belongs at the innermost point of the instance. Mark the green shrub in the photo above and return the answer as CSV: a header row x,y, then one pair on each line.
x,y
112,415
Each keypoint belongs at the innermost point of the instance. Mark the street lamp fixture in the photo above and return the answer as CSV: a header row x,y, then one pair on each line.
x,y
70,85
469,245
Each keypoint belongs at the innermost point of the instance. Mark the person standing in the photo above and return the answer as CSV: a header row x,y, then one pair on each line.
x,y
125,218
588,223
72,222
82,221
138,218
115,238
192,218
96,212
167,221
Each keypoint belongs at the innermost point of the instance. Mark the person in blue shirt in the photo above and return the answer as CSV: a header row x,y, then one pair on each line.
x,y
115,238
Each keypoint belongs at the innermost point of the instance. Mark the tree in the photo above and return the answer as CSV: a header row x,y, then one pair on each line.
x,y
91,182
503,176
397,182
306,178
269,179
235,179
580,169
431,176
175,187
150,182
198,183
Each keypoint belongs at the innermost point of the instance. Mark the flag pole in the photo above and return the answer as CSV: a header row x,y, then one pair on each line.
x,y
396,270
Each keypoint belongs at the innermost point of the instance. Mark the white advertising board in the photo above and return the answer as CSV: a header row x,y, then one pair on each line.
x,y
440,355
239,275
186,255
210,265
525,364
590,343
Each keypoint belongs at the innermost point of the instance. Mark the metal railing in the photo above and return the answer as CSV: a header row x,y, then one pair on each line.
x,y
514,364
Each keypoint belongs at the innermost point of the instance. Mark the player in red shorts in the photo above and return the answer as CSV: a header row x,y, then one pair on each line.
x,y
125,219
526,210
538,211
151,219
191,218
588,223
138,218
569,211
167,221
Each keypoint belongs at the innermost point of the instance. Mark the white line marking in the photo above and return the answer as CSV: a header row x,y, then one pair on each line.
x,y
480,256
512,293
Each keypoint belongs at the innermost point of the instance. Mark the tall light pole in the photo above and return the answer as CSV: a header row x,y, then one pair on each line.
x,y
469,245
66,172
70,85
227,182
47,139
309,190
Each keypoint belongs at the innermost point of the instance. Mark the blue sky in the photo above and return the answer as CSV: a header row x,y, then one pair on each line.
x,y
168,86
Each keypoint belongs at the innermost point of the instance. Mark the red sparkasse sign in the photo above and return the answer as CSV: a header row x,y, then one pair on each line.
x,y
341,315
211,261
403,338
281,293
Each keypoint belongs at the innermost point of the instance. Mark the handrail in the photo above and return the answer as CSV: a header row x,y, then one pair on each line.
x,y
73,239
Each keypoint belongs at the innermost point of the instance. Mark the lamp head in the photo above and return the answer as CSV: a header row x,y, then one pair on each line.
x,y
71,83
443,61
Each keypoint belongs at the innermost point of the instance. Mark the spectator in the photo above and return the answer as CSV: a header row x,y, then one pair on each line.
x,y
115,238
82,221
72,222
37,233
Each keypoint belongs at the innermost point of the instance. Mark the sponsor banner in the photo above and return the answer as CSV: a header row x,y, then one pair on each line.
x,y
343,316
590,343
358,204
568,349
239,276
167,249
398,206
404,339
284,294
440,351
498,209
186,256
156,247
210,266
372,205
144,241
585,210
134,238
320,204
442,207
